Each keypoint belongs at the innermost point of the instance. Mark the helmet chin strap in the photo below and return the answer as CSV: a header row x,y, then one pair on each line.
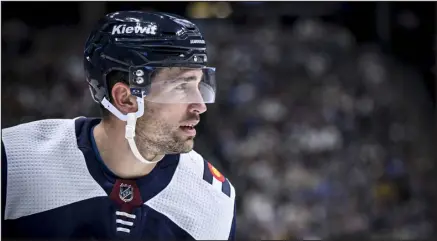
x,y
131,120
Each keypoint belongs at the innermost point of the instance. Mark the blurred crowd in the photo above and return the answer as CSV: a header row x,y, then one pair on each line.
x,y
321,137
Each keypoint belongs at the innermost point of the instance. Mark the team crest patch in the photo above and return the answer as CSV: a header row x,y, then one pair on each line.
x,y
216,173
126,192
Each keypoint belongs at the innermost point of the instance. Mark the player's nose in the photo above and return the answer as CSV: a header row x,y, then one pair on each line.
x,y
198,108
198,104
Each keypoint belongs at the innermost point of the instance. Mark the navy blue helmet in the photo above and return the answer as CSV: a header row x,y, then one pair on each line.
x,y
139,44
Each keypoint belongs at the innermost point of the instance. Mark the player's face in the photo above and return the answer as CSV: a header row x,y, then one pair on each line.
x,y
168,126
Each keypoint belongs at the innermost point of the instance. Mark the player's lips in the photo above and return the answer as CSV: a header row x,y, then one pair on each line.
x,y
190,124
188,128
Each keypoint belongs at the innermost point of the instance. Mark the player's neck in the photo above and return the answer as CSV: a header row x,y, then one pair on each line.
x,y
115,151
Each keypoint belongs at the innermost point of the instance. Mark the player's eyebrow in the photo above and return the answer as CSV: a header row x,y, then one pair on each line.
x,y
187,78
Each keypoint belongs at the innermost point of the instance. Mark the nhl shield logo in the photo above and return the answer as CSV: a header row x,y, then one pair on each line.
x,y
126,192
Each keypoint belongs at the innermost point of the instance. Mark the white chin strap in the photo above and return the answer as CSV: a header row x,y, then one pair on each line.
x,y
131,120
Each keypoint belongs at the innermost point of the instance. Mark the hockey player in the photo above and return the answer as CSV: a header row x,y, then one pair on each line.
x,y
131,174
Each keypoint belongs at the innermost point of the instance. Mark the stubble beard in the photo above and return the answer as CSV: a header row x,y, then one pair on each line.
x,y
157,138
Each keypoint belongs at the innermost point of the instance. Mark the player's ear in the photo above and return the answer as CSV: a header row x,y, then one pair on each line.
x,y
123,100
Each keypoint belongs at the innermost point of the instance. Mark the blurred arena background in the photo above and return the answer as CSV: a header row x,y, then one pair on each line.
x,y
325,112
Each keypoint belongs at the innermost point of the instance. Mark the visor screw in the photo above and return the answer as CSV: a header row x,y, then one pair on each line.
x,y
139,80
139,72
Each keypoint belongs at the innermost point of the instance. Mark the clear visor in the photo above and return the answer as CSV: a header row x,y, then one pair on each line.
x,y
173,84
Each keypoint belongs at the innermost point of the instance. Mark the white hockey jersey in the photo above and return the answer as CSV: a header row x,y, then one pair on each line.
x,y
55,186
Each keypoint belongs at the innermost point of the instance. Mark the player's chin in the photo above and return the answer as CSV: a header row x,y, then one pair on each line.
x,y
188,146
185,145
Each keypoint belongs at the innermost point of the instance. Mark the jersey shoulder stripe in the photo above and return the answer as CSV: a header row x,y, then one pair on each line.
x,y
215,178
211,175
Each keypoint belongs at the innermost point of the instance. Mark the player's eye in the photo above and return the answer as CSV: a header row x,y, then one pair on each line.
x,y
182,87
